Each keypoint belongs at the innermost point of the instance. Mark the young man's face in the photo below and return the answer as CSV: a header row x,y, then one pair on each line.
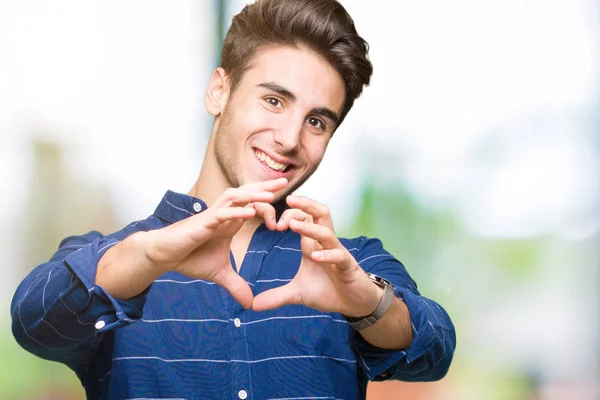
x,y
279,119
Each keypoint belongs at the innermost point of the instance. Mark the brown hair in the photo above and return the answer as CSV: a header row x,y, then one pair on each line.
x,y
323,26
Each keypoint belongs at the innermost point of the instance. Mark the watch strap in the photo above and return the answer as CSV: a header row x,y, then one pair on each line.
x,y
361,323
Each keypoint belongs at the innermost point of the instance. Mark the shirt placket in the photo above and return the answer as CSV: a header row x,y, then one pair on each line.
x,y
240,368
241,361
241,374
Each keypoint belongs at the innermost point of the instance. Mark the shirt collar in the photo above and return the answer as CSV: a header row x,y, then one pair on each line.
x,y
177,206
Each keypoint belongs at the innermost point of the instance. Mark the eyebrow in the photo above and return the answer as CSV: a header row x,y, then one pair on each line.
x,y
325,112
280,90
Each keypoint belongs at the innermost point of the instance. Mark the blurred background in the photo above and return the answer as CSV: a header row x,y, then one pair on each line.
x,y
474,156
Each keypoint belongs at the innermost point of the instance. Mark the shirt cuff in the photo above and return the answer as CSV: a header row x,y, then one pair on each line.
x,y
111,313
382,364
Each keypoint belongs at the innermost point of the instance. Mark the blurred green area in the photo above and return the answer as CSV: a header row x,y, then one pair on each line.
x,y
24,376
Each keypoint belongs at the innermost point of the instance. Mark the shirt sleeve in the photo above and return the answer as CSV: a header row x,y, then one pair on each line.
x,y
59,314
429,356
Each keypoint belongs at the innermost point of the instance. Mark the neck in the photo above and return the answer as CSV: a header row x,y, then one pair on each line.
x,y
211,182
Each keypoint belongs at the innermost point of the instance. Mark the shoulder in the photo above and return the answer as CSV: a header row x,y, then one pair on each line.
x,y
361,243
150,223
373,257
369,252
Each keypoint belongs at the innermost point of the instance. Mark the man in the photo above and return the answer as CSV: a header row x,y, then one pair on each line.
x,y
240,290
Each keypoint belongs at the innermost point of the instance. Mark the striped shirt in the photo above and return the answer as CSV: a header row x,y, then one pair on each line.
x,y
188,339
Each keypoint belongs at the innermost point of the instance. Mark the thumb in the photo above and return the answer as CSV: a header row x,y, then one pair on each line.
x,y
236,286
275,298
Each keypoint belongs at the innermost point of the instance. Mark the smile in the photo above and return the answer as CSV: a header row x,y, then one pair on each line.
x,y
269,162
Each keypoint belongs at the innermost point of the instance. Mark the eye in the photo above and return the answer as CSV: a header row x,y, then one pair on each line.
x,y
274,102
317,123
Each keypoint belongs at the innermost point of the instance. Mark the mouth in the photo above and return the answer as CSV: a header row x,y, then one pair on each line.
x,y
268,162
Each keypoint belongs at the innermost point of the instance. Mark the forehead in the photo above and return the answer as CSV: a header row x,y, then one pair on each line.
x,y
307,75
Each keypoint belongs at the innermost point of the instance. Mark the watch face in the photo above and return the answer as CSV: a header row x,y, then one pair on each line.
x,y
379,280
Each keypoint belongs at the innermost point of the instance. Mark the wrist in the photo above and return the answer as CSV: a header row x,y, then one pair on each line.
x,y
124,271
385,296
144,244
369,303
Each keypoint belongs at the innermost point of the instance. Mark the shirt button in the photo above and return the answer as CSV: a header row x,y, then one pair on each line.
x,y
197,207
242,394
237,324
100,324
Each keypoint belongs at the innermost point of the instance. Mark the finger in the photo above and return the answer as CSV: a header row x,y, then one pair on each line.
x,y
237,196
292,213
273,185
198,227
267,212
225,214
331,256
320,212
275,298
236,286
320,233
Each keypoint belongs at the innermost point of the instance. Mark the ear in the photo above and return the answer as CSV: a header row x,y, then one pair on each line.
x,y
217,92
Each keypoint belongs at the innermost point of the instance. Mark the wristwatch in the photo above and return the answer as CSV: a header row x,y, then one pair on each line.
x,y
360,323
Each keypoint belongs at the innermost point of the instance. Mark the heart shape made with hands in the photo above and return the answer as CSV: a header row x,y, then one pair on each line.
x,y
329,278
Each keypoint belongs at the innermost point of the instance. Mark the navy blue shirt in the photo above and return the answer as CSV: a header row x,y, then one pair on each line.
x,y
189,339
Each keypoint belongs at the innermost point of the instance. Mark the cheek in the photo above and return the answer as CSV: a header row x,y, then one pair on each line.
x,y
255,118
315,151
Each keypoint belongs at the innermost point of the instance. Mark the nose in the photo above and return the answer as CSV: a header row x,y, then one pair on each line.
x,y
288,135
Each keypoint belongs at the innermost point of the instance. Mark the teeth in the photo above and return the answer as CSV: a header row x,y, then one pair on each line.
x,y
269,161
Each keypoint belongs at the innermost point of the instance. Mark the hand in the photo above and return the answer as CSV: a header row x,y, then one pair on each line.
x,y
329,279
199,246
